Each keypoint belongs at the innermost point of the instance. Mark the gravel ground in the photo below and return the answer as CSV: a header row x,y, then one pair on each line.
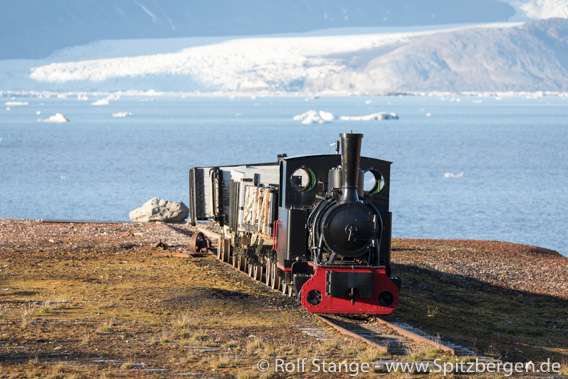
x,y
444,288
519,267
48,236
507,265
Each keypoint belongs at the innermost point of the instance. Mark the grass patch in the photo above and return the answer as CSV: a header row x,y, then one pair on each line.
x,y
27,316
224,361
254,345
106,327
370,354
230,344
184,320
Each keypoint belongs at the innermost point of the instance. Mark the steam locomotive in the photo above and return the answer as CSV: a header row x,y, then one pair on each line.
x,y
316,226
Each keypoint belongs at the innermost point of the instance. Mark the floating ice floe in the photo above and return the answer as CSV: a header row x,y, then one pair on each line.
x,y
452,175
82,97
321,117
370,117
101,102
121,114
15,103
56,118
314,117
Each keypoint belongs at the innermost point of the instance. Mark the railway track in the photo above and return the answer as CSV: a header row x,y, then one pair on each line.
x,y
388,337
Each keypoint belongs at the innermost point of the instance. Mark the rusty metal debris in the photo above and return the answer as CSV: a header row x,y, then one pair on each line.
x,y
198,243
161,245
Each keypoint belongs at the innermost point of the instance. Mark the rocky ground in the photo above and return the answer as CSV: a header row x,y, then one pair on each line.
x,y
502,299
507,265
84,299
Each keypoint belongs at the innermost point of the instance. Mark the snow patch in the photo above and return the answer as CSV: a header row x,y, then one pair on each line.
x,y
56,118
541,9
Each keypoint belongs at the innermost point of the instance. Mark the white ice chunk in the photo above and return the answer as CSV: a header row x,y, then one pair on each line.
x,y
15,103
452,175
101,102
56,118
371,117
314,117
121,114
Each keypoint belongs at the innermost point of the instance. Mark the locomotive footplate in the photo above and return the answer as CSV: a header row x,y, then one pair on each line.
x,y
364,290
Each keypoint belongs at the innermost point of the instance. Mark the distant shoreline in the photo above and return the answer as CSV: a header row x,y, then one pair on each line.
x,y
284,94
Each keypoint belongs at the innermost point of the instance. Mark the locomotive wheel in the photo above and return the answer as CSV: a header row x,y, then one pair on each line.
x,y
258,272
290,290
220,247
239,262
250,271
226,257
268,276
274,278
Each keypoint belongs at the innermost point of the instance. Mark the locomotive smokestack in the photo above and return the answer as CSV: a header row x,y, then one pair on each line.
x,y
350,156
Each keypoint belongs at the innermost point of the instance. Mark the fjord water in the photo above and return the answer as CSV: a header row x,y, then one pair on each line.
x,y
512,153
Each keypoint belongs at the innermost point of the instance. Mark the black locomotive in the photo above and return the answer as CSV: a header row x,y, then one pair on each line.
x,y
315,226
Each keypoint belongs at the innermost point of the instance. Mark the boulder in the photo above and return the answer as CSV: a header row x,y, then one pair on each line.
x,y
157,209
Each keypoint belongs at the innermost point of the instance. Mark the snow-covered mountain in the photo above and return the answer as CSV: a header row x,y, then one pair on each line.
x,y
539,9
36,28
394,57
530,56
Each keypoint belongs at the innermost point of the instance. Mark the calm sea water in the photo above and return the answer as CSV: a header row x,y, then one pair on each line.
x,y
513,153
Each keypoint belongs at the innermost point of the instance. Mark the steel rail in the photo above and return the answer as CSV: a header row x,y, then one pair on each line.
x,y
349,333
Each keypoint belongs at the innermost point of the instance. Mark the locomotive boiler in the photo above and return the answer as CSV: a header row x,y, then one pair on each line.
x,y
316,226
